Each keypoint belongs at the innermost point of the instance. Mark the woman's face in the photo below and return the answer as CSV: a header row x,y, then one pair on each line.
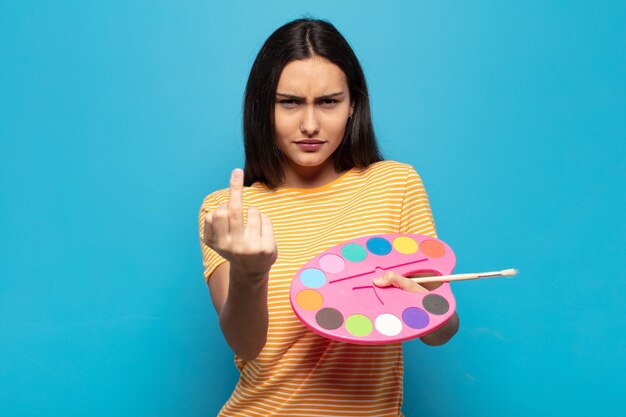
x,y
310,116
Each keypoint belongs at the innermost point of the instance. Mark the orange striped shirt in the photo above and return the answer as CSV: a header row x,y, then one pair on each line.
x,y
299,373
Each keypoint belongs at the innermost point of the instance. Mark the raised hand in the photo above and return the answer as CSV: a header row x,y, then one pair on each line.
x,y
250,248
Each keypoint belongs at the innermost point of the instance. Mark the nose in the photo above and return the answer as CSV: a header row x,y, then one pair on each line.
x,y
310,124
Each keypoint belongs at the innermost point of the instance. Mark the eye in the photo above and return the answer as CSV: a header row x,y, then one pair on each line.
x,y
288,103
328,102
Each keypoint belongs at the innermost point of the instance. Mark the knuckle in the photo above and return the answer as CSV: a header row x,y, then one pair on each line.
x,y
268,250
234,211
219,214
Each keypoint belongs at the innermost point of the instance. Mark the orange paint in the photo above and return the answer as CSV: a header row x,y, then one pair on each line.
x,y
432,248
309,299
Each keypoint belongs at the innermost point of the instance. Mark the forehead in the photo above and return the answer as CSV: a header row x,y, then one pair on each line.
x,y
312,76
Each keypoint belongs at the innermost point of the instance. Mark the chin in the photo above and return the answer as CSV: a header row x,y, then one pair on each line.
x,y
308,163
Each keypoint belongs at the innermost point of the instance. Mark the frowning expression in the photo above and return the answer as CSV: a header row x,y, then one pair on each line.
x,y
310,116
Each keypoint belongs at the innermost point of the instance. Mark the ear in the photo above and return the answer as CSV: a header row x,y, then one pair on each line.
x,y
351,109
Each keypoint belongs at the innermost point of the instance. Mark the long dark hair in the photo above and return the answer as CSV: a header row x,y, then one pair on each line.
x,y
299,40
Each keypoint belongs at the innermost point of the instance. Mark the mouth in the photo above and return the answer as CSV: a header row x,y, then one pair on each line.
x,y
309,141
310,145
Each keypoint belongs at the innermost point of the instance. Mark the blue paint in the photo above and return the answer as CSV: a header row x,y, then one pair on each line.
x,y
312,278
378,246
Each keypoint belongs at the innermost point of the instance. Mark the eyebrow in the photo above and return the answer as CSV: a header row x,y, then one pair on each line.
x,y
294,97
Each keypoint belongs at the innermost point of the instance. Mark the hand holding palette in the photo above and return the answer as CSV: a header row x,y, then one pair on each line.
x,y
333,294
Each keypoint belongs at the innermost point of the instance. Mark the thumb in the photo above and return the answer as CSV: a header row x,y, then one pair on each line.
x,y
392,279
384,280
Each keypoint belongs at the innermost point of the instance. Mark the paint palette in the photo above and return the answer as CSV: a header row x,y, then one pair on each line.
x,y
334,296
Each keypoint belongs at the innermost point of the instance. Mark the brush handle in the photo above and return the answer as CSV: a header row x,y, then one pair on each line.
x,y
465,277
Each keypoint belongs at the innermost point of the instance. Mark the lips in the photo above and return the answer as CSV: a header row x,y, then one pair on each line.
x,y
310,145
309,141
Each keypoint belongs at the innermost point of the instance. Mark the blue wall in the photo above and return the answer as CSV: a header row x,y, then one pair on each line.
x,y
118,117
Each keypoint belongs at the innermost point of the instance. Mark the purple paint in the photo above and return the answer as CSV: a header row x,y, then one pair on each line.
x,y
415,318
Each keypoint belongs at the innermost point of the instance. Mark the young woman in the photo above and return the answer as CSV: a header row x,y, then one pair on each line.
x,y
313,178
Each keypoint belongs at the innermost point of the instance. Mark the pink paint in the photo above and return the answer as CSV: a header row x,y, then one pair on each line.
x,y
332,263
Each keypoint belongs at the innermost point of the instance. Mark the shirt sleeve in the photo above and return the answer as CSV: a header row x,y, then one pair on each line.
x,y
210,258
416,216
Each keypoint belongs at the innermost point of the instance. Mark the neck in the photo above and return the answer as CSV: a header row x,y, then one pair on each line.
x,y
310,177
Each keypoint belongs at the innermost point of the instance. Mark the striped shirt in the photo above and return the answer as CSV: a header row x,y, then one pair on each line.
x,y
299,373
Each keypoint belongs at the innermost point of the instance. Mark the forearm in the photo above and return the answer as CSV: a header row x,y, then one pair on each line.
x,y
244,316
443,334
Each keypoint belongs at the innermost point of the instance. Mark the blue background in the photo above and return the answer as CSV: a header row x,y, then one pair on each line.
x,y
118,117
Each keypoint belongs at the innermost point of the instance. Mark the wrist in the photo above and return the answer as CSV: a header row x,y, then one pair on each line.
x,y
246,278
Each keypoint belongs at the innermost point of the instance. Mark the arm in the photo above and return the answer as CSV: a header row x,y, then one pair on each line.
x,y
241,304
239,287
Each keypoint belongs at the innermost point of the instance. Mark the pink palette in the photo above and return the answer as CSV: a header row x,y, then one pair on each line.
x,y
333,294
